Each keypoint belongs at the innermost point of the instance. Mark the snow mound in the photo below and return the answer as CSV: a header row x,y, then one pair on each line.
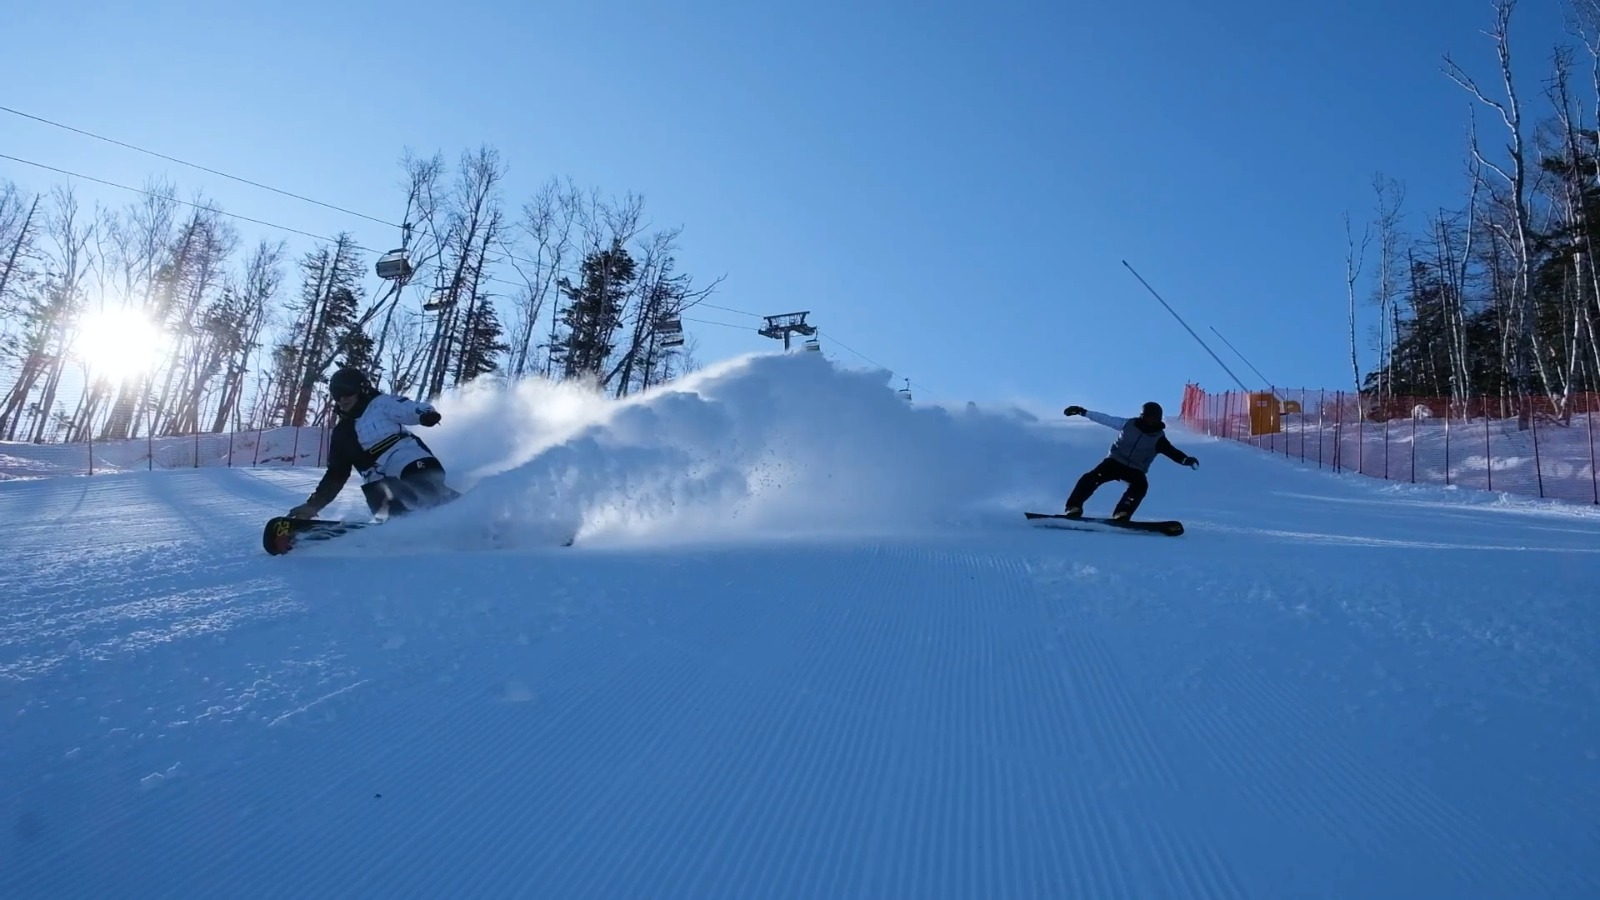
x,y
762,445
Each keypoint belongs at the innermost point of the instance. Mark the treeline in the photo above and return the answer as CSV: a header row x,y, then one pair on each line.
x,y
568,286
1499,298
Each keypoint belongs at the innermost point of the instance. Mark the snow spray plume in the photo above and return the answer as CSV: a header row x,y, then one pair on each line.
x,y
758,446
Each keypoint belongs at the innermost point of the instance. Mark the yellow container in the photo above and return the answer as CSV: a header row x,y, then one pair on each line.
x,y
1264,413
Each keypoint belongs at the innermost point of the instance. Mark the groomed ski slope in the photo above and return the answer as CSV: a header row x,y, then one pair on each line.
x,y
805,646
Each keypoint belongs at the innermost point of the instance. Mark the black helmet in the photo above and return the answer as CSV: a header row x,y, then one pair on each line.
x,y
348,380
1152,411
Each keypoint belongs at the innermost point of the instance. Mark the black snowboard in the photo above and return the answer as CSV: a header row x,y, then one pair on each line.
x,y
283,534
1170,528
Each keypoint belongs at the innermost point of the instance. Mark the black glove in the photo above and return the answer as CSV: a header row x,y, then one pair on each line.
x,y
429,418
1074,411
304,511
1192,463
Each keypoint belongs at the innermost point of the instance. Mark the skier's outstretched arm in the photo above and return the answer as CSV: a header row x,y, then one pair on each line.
x,y
1176,455
1113,422
405,411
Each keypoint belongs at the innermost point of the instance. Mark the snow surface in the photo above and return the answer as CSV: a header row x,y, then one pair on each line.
x,y
805,645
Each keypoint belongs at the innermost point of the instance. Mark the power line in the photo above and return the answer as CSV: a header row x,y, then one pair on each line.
x,y
265,187
710,322
821,331
1187,328
252,183
1264,379
70,174
321,237
742,312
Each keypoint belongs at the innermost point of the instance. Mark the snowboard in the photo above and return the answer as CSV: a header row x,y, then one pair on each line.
x,y
1170,527
282,534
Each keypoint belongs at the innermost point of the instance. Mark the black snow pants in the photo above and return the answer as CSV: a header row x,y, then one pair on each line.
x,y
419,485
1111,470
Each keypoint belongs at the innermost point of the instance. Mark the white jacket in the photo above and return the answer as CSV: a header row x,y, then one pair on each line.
x,y
381,428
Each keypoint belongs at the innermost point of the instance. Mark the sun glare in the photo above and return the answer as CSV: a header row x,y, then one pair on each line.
x,y
119,343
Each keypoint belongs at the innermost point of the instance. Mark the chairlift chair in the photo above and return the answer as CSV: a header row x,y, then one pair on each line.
x,y
395,265
439,301
669,331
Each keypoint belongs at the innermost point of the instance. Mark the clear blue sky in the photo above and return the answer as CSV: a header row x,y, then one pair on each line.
x,y
951,188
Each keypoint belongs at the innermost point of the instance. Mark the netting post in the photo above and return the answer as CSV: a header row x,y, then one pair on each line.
x,y
1447,445
1283,426
1488,453
1588,427
1413,445
1533,425
1386,443
1338,428
1302,425
91,452
197,448
1322,400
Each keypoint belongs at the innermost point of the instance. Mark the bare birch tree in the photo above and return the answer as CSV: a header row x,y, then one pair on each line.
x,y
548,222
661,294
143,238
51,317
1390,196
241,322
19,218
474,225
1354,260
1516,179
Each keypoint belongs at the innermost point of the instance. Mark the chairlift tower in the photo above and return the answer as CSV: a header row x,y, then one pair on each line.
x,y
787,325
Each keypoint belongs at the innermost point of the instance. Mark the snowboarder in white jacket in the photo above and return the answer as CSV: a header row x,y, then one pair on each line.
x,y
1136,447
399,474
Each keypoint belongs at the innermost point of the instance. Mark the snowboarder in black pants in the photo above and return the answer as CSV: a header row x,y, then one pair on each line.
x,y
1141,439
399,474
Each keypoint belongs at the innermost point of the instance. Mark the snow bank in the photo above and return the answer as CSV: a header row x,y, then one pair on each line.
x,y
770,444
267,447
